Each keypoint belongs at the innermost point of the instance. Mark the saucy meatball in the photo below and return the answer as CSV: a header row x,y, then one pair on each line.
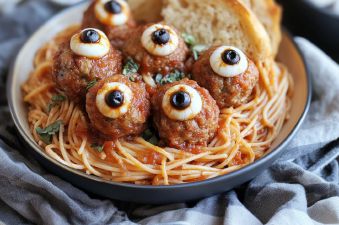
x,y
185,114
88,57
228,74
111,16
158,48
118,107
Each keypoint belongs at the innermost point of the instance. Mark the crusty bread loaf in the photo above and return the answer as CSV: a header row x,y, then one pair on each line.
x,y
227,22
146,10
269,13
213,22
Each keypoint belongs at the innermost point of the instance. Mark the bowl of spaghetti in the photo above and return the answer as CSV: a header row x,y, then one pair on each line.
x,y
182,141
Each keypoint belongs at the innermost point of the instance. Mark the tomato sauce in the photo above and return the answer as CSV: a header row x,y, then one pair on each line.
x,y
238,159
81,130
151,158
195,151
108,147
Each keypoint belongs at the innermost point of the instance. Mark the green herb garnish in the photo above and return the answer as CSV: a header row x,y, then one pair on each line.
x,y
158,78
130,67
153,140
97,147
169,78
195,48
150,137
189,39
56,100
147,134
47,133
91,84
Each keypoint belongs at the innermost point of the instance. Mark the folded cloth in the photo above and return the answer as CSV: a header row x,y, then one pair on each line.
x,y
301,188
332,6
8,5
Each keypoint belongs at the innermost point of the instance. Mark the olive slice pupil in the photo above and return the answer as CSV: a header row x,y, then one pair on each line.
x,y
90,36
161,36
231,57
181,100
115,99
113,7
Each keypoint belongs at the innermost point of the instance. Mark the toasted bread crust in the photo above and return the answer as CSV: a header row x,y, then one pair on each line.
x,y
220,22
253,28
253,14
270,14
146,10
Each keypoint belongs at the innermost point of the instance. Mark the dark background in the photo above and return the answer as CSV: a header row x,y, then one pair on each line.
x,y
318,25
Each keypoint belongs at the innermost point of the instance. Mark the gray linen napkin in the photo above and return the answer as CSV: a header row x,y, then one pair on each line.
x,y
331,6
301,188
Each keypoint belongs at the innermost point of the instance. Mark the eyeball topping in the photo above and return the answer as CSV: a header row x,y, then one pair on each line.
x,y
114,99
160,40
112,12
113,7
90,36
91,43
230,57
228,61
161,37
181,100
181,103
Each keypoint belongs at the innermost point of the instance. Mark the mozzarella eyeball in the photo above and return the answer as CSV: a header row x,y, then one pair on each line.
x,y
114,99
112,12
228,61
91,43
160,40
181,103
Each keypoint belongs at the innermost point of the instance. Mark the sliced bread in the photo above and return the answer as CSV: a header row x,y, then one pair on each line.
x,y
269,13
146,10
214,22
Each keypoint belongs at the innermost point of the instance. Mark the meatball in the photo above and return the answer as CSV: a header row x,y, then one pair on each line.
x,y
228,74
118,107
78,63
101,16
157,48
185,114
49,50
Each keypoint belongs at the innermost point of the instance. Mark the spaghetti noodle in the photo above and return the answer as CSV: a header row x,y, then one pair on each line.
x,y
245,133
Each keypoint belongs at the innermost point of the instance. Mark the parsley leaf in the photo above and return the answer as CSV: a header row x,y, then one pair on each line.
x,y
189,39
91,84
56,100
197,49
47,133
158,78
97,147
46,138
130,67
147,134
169,78
150,137
153,140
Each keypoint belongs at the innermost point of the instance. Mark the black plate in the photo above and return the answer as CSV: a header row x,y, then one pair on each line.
x,y
317,24
158,194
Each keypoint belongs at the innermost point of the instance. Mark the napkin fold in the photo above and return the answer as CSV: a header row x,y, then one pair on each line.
x,y
301,188
331,6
